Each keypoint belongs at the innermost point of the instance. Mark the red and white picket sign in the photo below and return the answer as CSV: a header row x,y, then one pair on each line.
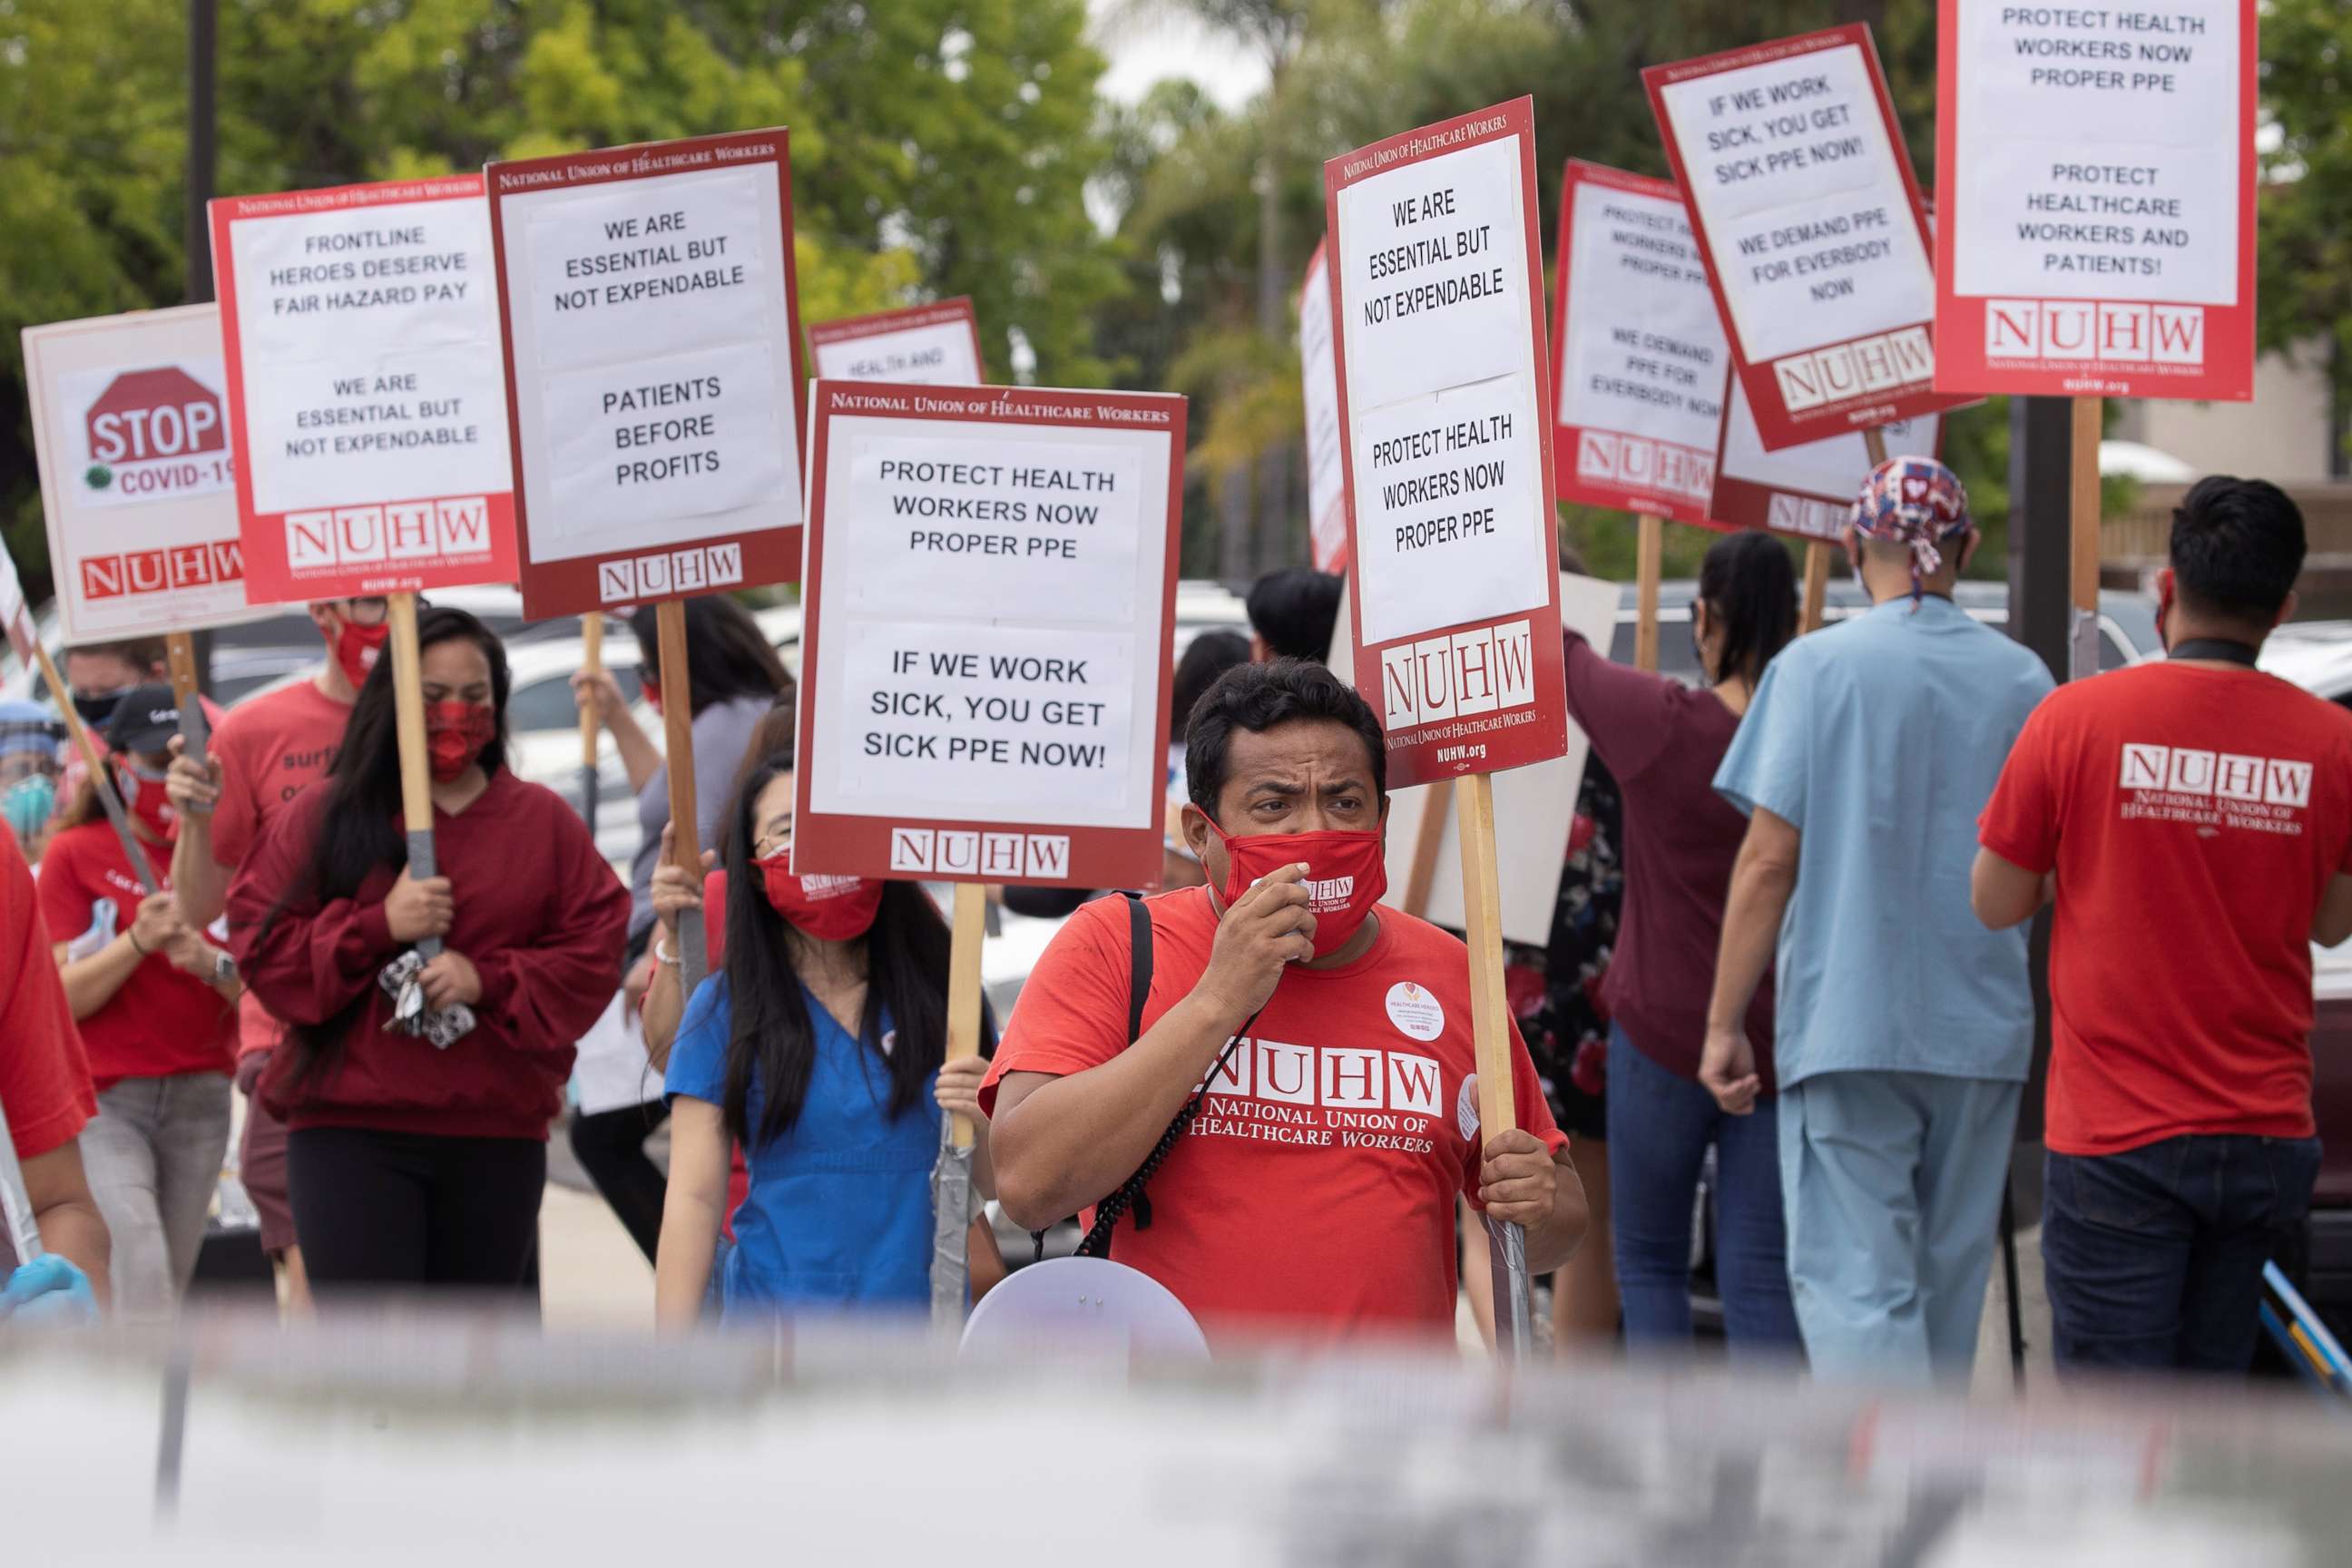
x,y
653,369
1445,420
1806,492
1319,373
367,420
1809,219
131,430
1642,361
930,345
986,641
2096,172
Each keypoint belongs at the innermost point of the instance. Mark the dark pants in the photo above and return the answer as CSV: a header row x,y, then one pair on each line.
x,y
2155,1256
1660,1125
611,1147
392,1209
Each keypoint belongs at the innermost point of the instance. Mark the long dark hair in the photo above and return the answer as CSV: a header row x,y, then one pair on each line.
x,y
359,823
727,656
1750,590
773,1038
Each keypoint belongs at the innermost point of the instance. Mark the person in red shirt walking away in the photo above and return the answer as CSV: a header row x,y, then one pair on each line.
x,y
265,753
1664,741
414,1162
45,1092
156,1004
1312,1196
2196,817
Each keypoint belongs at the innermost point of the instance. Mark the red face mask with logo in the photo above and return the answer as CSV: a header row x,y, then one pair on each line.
x,y
830,908
1346,875
145,796
455,734
356,649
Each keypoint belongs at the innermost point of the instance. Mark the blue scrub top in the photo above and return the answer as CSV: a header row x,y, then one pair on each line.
x,y
839,1211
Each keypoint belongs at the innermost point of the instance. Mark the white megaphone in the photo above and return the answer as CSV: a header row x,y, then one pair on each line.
x,y
1081,1302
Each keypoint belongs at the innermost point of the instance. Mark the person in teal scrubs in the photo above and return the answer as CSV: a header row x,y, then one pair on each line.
x,y
818,1046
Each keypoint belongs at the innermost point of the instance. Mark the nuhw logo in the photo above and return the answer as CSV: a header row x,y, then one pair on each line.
x,y
2080,329
668,572
161,571
1606,457
1458,675
1337,1077
962,853
2225,775
1856,369
1329,893
398,530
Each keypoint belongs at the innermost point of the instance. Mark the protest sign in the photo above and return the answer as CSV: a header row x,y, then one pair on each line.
x,y
2096,167
928,345
1446,442
1806,492
131,434
985,646
1445,409
366,422
1803,201
653,369
1319,374
1642,362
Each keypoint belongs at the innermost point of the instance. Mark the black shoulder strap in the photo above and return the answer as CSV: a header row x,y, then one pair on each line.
x,y
1139,991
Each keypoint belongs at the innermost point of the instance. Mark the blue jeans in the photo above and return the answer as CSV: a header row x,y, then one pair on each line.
x,y
1660,1125
2155,1256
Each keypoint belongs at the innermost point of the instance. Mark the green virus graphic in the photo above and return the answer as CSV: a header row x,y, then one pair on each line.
x,y
98,476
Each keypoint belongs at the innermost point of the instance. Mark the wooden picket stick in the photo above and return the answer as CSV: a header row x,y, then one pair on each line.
x,y
1490,1023
416,757
1429,841
100,779
2084,528
970,930
677,755
592,661
195,734
1651,552
1817,553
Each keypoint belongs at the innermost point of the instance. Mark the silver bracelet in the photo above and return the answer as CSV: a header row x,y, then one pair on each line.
x,y
661,955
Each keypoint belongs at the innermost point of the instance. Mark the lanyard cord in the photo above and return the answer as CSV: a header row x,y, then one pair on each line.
x,y
1131,1192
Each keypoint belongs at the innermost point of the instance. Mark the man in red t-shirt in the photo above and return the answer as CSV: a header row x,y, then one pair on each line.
x,y
265,753
2197,815
1313,1194
45,1094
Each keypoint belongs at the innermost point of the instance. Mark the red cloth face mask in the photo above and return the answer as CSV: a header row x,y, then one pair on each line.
x,y
145,796
1346,875
356,649
455,734
830,908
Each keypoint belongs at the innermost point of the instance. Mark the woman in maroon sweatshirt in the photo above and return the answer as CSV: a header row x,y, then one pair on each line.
x,y
412,1163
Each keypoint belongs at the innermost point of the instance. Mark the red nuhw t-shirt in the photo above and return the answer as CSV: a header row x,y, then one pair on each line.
x,y
270,750
2194,817
1314,1194
45,1087
162,1021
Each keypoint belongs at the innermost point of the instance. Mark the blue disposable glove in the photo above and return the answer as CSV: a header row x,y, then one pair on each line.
x,y
49,1292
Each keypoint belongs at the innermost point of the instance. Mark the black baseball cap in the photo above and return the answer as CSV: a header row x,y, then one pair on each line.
x,y
145,719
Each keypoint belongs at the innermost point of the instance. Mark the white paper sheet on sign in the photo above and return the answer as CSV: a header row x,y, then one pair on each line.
x,y
1535,807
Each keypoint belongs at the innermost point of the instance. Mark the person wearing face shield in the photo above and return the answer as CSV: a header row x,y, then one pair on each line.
x,y
1311,1196
416,1153
263,755
156,1006
32,742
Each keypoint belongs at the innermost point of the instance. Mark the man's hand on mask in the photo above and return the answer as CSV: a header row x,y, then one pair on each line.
x,y
1265,929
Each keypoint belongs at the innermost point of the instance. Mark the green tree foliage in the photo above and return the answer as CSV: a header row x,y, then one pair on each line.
x,y
2305,230
939,147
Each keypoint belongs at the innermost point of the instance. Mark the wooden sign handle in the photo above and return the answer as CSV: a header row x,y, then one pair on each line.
x,y
409,711
100,779
592,660
2084,508
1649,553
180,650
970,930
1817,586
678,755
1482,902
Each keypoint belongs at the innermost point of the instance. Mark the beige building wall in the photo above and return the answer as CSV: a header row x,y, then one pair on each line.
x,y
2282,436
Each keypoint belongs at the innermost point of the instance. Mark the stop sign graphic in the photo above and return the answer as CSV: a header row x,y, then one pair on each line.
x,y
146,415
